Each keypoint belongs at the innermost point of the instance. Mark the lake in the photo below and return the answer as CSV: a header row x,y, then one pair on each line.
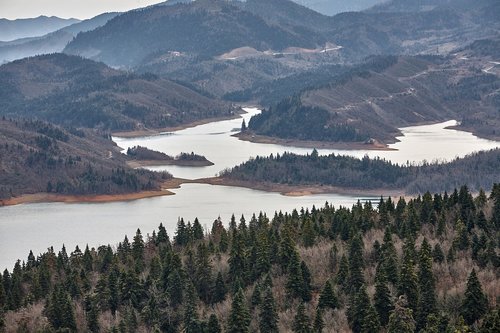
x,y
38,226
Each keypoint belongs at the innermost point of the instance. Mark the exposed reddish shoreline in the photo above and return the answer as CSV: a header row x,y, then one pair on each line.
x,y
287,190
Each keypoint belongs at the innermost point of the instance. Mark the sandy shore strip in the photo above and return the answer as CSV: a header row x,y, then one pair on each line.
x,y
148,163
299,190
312,144
175,183
99,198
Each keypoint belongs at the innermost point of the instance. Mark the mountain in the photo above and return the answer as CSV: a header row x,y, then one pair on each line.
x,y
204,28
41,157
373,100
32,27
73,91
332,7
50,43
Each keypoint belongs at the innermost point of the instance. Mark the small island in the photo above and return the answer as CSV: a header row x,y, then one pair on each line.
x,y
142,156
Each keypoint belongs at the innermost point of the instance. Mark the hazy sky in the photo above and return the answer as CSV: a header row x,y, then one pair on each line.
x,y
81,9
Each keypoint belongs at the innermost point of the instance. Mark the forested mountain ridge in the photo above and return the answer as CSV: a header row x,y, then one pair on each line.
x,y
374,99
205,28
479,170
38,157
73,91
428,264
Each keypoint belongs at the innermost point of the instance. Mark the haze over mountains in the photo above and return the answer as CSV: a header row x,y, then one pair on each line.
x,y
22,28
51,42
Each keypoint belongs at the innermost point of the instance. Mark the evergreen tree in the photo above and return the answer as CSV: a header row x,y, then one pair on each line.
x,y
295,282
191,321
301,322
437,253
256,297
308,233
92,317
361,314
426,286
197,230
382,298
220,289
268,316
138,250
59,310
327,298
203,275
389,258
213,324
306,282
319,324
475,304
176,288
238,258
408,278
343,273
239,318
401,319
356,264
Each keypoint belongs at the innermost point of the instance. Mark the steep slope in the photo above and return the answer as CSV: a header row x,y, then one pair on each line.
x,y
49,43
32,27
204,28
418,29
78,92
40,157
373,100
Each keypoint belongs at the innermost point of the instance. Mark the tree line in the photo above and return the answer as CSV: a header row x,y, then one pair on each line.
x,y
479,170
427,264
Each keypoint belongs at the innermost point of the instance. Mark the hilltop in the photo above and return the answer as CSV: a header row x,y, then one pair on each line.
x,y
73,91
374,99
38,157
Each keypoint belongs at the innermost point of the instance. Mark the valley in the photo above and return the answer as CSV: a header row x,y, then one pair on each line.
x,y
241,166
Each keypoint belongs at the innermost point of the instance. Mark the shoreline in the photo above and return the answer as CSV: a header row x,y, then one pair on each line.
x,y
148,163
175,183
297,190
43,197
158,131
312,144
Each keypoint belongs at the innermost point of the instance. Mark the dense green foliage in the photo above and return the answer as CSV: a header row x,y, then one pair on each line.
x,y
153,284
478,170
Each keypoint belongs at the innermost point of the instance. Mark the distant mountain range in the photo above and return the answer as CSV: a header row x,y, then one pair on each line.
x,y
332,7
50,43
73,91
205,28
32,27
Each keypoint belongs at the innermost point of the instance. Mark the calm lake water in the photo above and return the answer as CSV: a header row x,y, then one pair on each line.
x,y
38,226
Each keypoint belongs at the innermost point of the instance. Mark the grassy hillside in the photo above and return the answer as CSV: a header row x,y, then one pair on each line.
x,y
40,157
424,264
74,91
